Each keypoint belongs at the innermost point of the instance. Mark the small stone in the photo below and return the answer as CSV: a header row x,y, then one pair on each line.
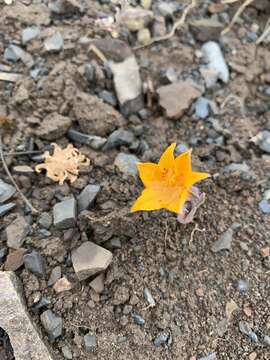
x,y
176,98
4,209
15,319
243,167
206,29
34,263
148,297
93,141
45,220
161,339
65,214
90,342
87,197
98,284
3,254
199,292
246,329
266,340
55,275
53,126
144,36
108,97
17,232
62,284
23,169
222,327
6,191
43,303
252,356
265,252
211,356
231,306
15,53
52,324
67,352
15,260
121,295
127,164
30,33
181,148
242,286
119,138
264,206
90,259
247,311
66,7
89,72
54,43
113,243
127,309
138,319
224,242
202,107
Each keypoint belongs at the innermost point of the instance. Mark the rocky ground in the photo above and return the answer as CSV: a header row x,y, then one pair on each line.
x,y
99,282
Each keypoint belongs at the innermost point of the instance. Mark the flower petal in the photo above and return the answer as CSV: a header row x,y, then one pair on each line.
x,y
177,205
183,162
167,158
149,200
149,173
194,177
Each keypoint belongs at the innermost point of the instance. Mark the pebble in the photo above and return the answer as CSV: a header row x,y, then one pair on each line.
x,y
3,254
15,260
148,297
89,72
176,98
34,263
113,243
202,108
206,29
15,53
246,329
90,342
67,352
43,303
66,7
98,284
17,232
30,33
144,36
65,214
166,9
224,242
87,197
138,319
127,164
264,206
53,126
54,43
216,62
242,286
93,141
180,148
242,167
262,140
211,356
52,324
45,220
4,209
108,97
266,340
161,339
6,191
55,275
62,284
119,138
90,259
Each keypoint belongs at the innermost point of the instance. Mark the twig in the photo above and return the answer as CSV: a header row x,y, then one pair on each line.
x,y
196,228
98,53
12,179
265,33
176,25
21,153
236,16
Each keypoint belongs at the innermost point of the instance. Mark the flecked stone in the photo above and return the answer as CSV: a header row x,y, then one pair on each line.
x,y
34,263
30,33
52,324
54,43
62,284
53,126
15,260
161,339
127,163
17,232
90,342
25,339
6,191
65,214
45,220
87,197
90,259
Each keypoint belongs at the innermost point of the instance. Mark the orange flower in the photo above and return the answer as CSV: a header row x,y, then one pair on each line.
x,y
167,184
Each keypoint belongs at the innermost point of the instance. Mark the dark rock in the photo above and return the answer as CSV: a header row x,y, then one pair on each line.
x,y
95,142
138,319
161,339
118,138
66,7
3,254
34,263
55,275
206,29
17,232
108,97
65,214
89,73
87,197
15,260
113,243
52,324
45,220
6,191
15,53
4,209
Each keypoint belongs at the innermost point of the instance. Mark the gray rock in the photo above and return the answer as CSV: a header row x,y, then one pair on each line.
x,y
66,7
118,138
242,286
138,319
17,232
3,254
6,191
215,60
206,29
34,263
53,126
65,214
264,206
266,340
30,33
4,209
148,297
90,342
180,149
127,164
167,9
243,167
25,339
246,329
87,197
95,142
113,243
262,140
202,108
45,220
52,324
161,339
108,97
224,242
98,284
90,259
55,275
43,303
15,53
211,356
67,352
54,43
89,72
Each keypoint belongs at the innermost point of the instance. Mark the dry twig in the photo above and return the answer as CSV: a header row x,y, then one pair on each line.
x,y
196,228
236,15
